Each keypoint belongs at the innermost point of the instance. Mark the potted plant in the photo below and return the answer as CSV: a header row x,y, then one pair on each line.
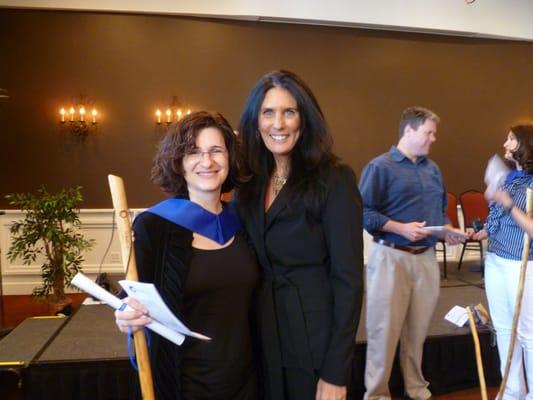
x,y
50,231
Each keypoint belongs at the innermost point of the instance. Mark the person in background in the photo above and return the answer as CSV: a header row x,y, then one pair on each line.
x,y
402,192
503,228
192,248
303,213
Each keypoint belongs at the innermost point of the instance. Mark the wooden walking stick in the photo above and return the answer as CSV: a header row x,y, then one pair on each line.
x,y
120,206
520,292
479,361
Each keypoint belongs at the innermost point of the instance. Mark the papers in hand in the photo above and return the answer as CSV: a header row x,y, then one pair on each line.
x,y
495,174
163,321
442,231
147,294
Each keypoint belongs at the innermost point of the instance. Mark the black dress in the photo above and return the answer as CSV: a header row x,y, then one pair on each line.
x,y
165,256
218,291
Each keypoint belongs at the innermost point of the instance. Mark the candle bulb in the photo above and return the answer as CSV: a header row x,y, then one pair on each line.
x,y
169,113
189,111
82,114
95,113
158,116
62,112
71,111
179,113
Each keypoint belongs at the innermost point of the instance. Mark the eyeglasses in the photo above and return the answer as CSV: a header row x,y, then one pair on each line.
x,y
215,153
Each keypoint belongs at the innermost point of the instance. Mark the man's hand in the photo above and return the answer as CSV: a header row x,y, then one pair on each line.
x,y
328,391
413,231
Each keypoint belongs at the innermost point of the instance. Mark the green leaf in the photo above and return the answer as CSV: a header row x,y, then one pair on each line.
x,y
50,228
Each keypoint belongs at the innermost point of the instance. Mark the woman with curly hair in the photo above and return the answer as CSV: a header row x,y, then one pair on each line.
x,y
502,264
192,248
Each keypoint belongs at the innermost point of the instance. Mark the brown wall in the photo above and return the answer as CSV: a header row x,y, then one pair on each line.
x,y
131,64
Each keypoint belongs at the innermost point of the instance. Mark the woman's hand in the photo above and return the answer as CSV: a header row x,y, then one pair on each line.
x,y
134,318
482,234
501,197
328,391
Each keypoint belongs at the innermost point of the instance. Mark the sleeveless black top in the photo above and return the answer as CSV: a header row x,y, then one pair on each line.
x,y
218,294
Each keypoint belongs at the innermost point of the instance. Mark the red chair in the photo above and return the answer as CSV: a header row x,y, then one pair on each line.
x,y
474,206
451,212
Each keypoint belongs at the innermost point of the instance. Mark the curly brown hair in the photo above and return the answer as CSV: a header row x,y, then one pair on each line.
x,y
167,171
524,152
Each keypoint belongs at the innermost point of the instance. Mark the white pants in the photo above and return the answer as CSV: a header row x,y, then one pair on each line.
x,y
402,292
501,284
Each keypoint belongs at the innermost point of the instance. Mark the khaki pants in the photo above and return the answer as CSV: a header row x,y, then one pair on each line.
x,y
402,292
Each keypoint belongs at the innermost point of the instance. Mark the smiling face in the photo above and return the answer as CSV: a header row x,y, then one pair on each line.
x,y
206,167
279,122
510,145
419,140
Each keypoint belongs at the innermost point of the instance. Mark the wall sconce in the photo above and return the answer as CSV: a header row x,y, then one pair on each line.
x,y
78,121
173,113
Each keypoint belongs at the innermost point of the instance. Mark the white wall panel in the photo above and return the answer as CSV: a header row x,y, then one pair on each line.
x,y
96,224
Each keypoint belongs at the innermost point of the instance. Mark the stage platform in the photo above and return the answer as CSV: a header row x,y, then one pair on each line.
x,y
449,362
85,357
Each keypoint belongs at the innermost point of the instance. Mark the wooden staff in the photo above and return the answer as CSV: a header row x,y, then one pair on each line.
x,y
479,361
518,302
120,206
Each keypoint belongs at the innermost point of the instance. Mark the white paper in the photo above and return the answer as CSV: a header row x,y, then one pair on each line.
x,y
87,285
442,231
147,294
175,336
457,316
495,174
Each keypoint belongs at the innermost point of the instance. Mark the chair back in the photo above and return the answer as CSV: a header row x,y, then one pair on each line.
x,y
474,205
451,212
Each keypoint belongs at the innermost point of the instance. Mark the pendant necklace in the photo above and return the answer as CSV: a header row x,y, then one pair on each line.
x,y
279,182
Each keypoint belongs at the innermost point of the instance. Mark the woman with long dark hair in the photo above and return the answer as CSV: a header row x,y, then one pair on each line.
x,y
303,213
502,264
192,248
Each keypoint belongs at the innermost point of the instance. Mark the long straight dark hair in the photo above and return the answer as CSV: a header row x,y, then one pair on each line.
x,y
311,157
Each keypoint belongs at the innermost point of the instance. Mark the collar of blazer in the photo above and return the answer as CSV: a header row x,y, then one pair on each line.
x,y
280,202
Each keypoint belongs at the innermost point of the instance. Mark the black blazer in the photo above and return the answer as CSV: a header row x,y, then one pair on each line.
x,y
310,297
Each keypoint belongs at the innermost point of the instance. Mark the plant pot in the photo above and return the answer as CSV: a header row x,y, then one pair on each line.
x,y
56,306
